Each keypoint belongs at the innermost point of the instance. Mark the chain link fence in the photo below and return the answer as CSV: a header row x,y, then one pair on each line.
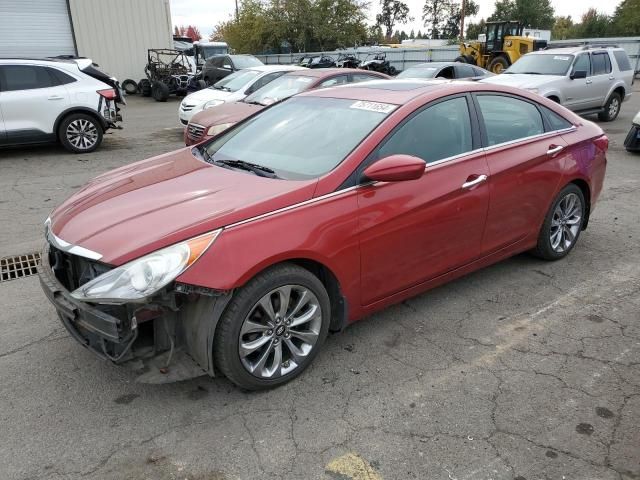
x,y
403,58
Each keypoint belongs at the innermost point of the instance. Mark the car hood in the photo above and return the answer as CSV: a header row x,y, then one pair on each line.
x,y
142,207
227,113
522,80
205,95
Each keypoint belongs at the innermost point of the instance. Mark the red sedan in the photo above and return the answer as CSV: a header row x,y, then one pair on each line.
x,y
213,121
240,254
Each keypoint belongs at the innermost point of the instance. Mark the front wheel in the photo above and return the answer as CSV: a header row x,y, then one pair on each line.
x,y
498,65
562,225
273,328
80,133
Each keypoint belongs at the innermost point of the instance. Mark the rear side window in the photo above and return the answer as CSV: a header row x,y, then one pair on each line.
x,y
600,63
464,71
556,122
24,77
331,82
261,82
507,119
60,78
622,60
439,131
478,72
363,77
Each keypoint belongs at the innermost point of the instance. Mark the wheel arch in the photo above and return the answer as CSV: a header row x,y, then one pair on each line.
x,y
71,110
586,192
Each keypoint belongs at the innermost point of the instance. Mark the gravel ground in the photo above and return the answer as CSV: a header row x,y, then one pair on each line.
x,y
523,370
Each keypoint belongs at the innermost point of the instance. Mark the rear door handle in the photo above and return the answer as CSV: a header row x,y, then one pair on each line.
x,y
553,150
55,97
588,82
470,183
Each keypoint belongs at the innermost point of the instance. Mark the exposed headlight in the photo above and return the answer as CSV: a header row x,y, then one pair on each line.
x,y
212,103
216,129
146,275
532,90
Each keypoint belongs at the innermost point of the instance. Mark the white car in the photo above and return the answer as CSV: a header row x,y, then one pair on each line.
x,y
586,79
231,88
49,100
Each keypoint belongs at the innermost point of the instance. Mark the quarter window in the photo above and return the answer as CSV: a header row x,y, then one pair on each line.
x,y
465,71
440,131
507,118
24,77
60,78
622,60
556,122
601,63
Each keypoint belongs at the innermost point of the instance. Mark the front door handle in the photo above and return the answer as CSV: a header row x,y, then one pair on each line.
x,y
470,183
55,97
553,150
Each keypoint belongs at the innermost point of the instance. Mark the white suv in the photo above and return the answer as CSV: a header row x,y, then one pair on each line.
x,y
586,79
65,100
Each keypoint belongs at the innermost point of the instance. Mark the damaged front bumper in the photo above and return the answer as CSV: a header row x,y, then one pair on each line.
x,y
169,338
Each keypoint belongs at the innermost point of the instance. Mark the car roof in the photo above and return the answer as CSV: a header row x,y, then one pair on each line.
x,y
432,64
575,49
402,91
327,72
39,60
274,68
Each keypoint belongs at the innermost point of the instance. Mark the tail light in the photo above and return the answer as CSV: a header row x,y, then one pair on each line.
x,y
602,143
109,93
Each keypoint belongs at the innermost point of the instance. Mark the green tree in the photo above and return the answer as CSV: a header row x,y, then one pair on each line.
x,y
393,12
593,24
626,19
451,28
538,14
475,29
338,24
412,35
563,28
442,17
419,35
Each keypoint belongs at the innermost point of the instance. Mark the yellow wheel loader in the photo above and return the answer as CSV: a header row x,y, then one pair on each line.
x,y
501,46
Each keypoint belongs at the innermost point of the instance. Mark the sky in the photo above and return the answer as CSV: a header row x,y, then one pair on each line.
x,y
205,14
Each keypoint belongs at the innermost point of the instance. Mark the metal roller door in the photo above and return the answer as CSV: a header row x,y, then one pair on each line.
x,y
35,28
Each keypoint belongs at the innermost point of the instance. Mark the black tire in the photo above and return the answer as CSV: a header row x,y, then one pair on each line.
x,y
145,87
79,142
461,59
201,84
393,71
130,86
470,59
498,65
544,248
159,91
611,108
226,341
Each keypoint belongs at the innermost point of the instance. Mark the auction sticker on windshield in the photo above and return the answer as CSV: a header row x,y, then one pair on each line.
x,y
374,106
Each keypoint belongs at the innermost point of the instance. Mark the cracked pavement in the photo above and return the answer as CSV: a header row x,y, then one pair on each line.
x,y
524,370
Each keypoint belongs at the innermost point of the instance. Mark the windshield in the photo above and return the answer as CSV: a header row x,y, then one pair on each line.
x,y
236,81
245,61
212,50
279,89
418,72
542,64
301,138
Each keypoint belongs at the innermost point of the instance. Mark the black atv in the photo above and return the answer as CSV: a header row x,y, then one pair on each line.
x,y
168,73
316,61
347,60
378,63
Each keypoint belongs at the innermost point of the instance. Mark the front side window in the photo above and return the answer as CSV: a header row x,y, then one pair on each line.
x,y
262,81
542,64
227,64
437,132
600,63
303,137
507,119
24,77
582,64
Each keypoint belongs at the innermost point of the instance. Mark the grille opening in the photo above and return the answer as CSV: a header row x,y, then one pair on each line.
x,y
19,266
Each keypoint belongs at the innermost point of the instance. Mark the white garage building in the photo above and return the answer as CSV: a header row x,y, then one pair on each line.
x,y
115,34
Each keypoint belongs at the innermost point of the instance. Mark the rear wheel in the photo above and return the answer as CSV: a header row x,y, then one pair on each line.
x,y
160,91
273,328
498,65
461,59
470,59
611,108
562,225
145,87
80,133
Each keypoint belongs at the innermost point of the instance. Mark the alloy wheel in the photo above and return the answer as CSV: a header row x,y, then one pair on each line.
x,y
82,134
566,223
280,331
613,107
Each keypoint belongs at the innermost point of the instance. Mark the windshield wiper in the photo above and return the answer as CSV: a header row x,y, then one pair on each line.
x,y
532,73
259,170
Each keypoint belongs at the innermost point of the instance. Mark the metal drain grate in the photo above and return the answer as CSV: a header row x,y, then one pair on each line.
x,y
19,266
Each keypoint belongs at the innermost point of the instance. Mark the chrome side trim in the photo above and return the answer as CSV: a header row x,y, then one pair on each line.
x,y
532,137
60,244
454,157
297,205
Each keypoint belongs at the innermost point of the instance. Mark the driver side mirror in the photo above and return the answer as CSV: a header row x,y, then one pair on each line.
x,y
395,168
578,74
